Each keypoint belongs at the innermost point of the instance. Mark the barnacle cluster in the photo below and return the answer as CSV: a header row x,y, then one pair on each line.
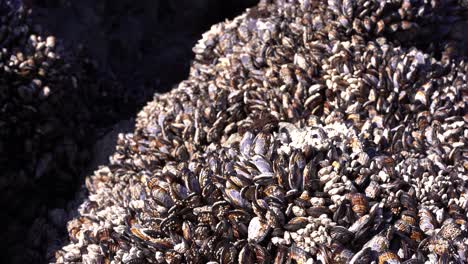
x,y
307,132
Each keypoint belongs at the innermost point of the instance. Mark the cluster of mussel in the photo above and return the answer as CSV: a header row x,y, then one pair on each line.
x,y
51,104
307,132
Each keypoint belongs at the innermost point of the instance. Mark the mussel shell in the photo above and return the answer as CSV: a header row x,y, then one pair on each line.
x,y
317,211
296,223
246,144
263,165
162,197
236,198
341,234
258,229
299,255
